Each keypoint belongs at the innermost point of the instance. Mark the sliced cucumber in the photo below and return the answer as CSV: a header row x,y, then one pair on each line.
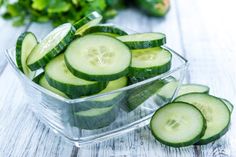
x,y
133,79
168,90
44,83
178,124
53,44
193,88
98,58
105,29
112,85
59,77
170,79
215,112
139,95
107,34
106,100
143,40
41,80
150,62
229,105
96,118
89,20
37,78
24,45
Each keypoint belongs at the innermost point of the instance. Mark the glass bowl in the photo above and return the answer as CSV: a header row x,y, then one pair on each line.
x,y
91,119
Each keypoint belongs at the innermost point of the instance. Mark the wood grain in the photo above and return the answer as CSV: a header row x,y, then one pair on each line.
x,y
207,44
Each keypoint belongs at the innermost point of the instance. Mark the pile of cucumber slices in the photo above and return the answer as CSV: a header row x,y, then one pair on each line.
x,y
194,117
87,58
81,59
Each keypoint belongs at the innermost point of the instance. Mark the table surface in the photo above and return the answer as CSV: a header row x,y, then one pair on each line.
x,y
202,31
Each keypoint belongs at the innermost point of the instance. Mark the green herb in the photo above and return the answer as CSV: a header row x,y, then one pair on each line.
x,y
61,11
57,11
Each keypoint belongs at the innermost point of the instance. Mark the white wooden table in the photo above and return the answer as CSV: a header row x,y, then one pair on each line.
x,y
204,31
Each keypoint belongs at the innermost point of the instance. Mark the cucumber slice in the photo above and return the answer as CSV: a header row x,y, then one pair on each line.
x,y
215,112
59,77
178,124
44,83
133,79
143,40
168,90
98,58
139,95
193,88
24,45
96,118
150,62
106,100
228,104
170,79
107,34
105,29
41,80
112,85
53,44
37,78
89,20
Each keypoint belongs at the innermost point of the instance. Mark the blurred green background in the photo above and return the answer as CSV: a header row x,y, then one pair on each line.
x,y
61,11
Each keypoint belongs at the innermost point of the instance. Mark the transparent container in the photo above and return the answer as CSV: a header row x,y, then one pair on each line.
x,y
101,116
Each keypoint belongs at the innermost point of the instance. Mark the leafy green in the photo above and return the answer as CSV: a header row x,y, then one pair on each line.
x,y
18,21
58,6
40,4
56,11
61,11
14,9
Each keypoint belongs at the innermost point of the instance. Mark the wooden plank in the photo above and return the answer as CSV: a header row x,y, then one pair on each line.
x,y
210,50
21,133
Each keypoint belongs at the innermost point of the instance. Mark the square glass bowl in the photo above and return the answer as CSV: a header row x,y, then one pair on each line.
x,y
103,116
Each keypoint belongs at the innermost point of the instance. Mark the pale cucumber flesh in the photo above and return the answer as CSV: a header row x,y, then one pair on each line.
x,y
151,57
178,124
26,46
213,109
98,55
49,42
141,37
43,82
192,88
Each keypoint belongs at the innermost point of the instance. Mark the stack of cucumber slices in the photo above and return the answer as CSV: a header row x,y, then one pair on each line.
x,y
194,117
88,58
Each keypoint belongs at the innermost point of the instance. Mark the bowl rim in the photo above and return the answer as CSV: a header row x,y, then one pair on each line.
x,y
8,54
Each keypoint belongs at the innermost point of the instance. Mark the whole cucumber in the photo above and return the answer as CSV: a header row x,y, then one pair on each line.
x,y
154,7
